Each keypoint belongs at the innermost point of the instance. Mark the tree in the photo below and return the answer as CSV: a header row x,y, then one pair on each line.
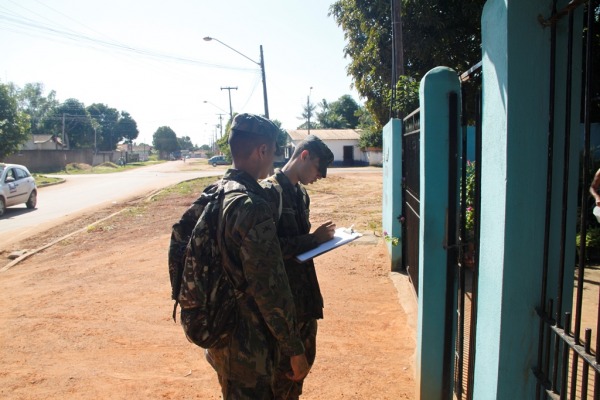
x,y
72,119
127,127
185,143
205,147
223,142
308,113
106,133
165,140
340,114
435,32
14,124
32,102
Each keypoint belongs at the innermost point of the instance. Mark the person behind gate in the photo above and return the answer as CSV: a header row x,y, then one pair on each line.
x,y
266,318
308,164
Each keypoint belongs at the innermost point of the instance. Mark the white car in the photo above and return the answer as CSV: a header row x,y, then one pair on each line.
x,y
17,186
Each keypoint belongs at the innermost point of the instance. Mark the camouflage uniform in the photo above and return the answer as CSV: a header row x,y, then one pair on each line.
x,y
266,321
293,231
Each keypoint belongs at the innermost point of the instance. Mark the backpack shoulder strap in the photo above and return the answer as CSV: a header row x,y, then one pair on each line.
x,y
275,183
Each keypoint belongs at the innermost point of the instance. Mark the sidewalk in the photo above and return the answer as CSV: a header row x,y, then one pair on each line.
x,y
90,317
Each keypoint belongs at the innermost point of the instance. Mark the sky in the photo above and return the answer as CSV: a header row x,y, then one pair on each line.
x,y
148,58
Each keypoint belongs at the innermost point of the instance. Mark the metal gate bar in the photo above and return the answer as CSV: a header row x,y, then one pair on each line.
x,y
411,137
556,332
466,301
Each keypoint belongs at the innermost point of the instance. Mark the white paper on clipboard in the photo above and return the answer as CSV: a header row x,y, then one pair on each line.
x,y
341,237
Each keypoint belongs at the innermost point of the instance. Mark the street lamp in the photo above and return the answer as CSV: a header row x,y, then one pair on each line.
x,y
214,105
261,64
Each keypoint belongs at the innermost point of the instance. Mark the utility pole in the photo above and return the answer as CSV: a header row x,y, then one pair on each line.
x,y
264,82
228,88
221,123
308,110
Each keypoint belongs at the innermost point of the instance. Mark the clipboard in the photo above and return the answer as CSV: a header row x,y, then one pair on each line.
x,y
341,237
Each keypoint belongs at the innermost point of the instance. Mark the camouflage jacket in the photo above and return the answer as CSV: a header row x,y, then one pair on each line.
x,y
293,230
252,256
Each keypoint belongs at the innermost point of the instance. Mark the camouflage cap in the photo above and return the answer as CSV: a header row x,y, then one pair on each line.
x,y
317,148
251,124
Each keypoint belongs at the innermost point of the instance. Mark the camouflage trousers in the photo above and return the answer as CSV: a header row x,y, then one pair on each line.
x,y
283,387
234,391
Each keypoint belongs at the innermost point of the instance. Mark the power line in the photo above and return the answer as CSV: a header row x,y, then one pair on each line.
x,y
20,24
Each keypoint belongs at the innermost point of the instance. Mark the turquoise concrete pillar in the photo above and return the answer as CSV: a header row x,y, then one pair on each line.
x,y
392,189
432,332
516,84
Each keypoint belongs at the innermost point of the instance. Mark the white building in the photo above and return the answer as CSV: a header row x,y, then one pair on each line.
x,y
342,142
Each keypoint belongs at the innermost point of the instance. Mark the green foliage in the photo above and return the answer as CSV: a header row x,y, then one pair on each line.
x,y
340,114
185,143
592,238
77,123
223,142
407,95
83,126
470,201
370,138
391,239
14,124
435,32
308,110
34,103
106,119
368,30
127,127
165,140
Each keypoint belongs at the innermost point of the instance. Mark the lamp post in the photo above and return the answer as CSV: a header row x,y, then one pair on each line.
x,y
260,63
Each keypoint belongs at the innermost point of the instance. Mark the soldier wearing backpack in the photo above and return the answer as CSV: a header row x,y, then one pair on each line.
x,y
307,165
265,317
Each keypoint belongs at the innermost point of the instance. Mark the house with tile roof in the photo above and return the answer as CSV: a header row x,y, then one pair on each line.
x,y
342,142
44,142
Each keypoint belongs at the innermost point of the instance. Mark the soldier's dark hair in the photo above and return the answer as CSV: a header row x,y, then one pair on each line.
x,y
300,148
243,145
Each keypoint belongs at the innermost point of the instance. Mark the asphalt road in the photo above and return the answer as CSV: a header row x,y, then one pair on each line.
x,y
82,193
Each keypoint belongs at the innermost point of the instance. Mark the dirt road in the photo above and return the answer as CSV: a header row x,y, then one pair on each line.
x,y
90,316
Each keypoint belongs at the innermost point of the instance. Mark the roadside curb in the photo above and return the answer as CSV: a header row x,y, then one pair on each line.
x,y
51,184
30,253
147,197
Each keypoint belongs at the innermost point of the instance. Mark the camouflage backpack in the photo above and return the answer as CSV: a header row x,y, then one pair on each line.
x,y
199,283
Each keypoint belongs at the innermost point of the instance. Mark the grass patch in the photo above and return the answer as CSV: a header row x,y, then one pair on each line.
x,y
186,188
104,168
42,180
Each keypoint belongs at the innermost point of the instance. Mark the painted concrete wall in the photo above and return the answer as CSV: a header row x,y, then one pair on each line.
x,y
515,146
435,88
392,189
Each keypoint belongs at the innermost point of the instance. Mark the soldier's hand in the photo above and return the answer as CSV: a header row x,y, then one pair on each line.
x,y
300,367
324,232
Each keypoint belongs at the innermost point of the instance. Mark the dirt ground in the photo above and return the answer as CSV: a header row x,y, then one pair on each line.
x,y
90,316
